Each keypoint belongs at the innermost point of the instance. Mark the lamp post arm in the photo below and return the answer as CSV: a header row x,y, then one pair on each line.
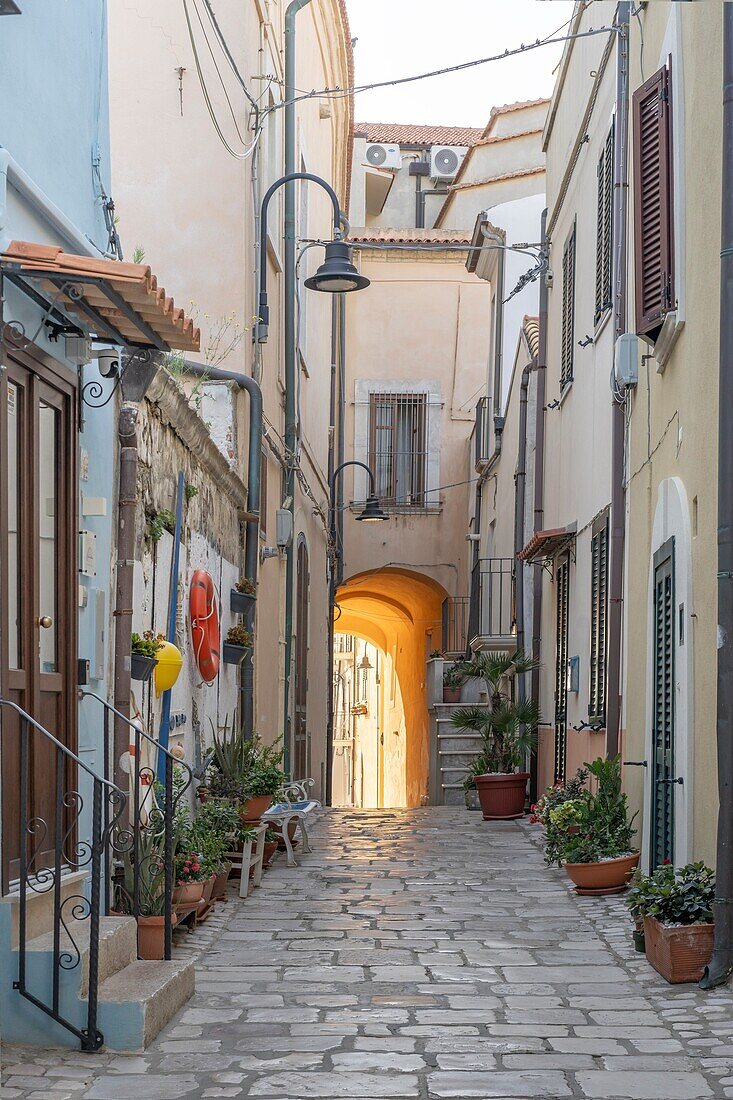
x,y
338,219
352,462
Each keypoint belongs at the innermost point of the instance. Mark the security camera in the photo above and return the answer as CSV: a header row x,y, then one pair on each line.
x,y
109,362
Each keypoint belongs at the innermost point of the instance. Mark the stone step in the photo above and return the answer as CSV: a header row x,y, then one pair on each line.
x,y
138,1001
459,744
117,945
40,904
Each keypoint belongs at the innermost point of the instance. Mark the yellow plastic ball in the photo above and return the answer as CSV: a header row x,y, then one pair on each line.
x,y
168,668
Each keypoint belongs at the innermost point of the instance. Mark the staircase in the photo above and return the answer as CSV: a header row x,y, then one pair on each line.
x,y
456,749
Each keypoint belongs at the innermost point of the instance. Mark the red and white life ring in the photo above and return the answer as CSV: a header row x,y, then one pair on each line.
x,y
204,624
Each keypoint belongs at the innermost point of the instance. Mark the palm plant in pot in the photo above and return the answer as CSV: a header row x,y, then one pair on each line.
x,y
591,835
507,726
453,677
675,906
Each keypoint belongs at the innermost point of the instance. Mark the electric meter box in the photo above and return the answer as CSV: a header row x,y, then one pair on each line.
x,y
283,527
626,359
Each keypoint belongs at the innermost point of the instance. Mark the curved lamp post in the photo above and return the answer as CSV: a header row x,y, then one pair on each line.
x,y
336,275
371,512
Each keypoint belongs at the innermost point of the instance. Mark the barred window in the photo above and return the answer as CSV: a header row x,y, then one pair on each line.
x,y
398,447
568,311
598,620
604,229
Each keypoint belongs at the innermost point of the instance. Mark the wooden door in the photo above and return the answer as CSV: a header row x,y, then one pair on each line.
x,y
37,589
661,847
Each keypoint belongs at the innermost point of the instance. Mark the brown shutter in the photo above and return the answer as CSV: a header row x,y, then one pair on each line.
x,y
654,246
604,228
567,351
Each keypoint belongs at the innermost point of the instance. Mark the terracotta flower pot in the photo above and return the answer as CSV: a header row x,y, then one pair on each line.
x,y
202,792
292,827
188,893
610,876
253,809
679,952
220,883
451,695
502,796
208,888
151,937
269,852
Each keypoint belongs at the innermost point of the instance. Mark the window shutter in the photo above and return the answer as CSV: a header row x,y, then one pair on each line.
x,y
568,311
653,232
604,228
599,614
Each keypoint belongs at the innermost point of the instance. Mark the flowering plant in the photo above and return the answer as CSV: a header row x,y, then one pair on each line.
x,y
190,868
590,827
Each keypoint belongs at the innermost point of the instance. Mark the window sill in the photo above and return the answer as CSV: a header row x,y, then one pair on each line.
x,y
601,323
667,339
565,391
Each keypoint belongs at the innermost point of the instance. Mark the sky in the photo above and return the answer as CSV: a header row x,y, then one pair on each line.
x,y
402,37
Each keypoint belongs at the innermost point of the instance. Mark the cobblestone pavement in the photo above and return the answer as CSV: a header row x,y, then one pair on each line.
x,y
422,954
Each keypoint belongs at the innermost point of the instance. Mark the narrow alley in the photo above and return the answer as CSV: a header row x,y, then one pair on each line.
x,y
422,954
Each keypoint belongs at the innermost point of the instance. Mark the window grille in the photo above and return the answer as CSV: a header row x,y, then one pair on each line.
x,y
568,312
398,447
598,621
604,228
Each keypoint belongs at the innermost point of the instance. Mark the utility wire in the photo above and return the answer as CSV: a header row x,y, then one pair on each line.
x,y
230,59
341,93
218,72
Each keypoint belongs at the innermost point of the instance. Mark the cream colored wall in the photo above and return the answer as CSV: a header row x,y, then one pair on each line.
x,y
189,204
469,202
578,432
673,426
422,319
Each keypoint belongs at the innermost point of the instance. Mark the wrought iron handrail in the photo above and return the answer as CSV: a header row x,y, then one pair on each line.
x,y
492,610
146,824
455,618
69,852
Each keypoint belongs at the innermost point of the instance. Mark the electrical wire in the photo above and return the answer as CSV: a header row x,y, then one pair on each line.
x,y
218,72
228,54
342,93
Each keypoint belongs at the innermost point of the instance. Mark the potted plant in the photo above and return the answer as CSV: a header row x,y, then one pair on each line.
x,y
243,596
639,887
271,843
676,906
151,894
246,771
143,655
506,724
554,797
591,835
453,677
189,875
470,793
236,645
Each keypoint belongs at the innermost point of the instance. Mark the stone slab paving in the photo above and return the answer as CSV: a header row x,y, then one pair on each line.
x,y
415,954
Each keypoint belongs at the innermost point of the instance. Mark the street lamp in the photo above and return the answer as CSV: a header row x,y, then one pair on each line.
x,y
336,275
371,513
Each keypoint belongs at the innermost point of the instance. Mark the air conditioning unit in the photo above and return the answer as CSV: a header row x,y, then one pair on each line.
x,y
445,160
384,156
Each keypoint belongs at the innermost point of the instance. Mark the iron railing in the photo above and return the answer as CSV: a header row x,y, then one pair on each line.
x,y
134,884
49,848
455,625
492,616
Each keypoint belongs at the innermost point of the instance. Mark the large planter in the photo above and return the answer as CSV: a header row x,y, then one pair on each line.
x,y
609,876
679,952
188,893
151,937
252,810
451,694
220,884
142,667
470,797
209,888
241,602
270,847
502,796
234,654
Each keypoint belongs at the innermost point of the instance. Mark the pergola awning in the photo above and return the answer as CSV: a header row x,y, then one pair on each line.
x,y
112,301
546,545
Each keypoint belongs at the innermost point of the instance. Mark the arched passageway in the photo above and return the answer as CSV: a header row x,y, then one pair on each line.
x,y
395,616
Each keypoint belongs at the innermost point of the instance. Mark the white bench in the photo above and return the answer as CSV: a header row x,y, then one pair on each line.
x,y
250,859
295,806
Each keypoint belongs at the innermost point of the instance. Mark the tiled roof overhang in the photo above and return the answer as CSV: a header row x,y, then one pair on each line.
x,y
545,545
115,302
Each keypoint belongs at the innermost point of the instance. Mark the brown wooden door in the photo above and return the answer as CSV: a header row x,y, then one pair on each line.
x,y
37,589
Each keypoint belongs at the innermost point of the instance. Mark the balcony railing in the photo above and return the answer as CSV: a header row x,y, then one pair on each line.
x,y
455,626
492,620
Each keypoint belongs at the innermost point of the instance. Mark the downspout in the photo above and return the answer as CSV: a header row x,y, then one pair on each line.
x,y
721,964
291,366
500,243
124,582
618,425
252,527
332,558
341,435
520,486
539,491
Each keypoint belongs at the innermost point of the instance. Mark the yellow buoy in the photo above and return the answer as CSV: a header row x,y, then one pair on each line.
x,y
167,670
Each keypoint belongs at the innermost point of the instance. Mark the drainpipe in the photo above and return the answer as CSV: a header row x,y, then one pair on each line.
x,y
341,436
520,487
252,527
332,555
721,964
127,489
539,491
618,492
291,366
500,242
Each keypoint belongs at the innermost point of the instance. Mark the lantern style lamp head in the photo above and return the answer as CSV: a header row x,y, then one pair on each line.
x,y
365,664
337,274
372,512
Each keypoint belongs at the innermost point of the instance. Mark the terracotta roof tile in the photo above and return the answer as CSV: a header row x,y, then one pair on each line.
x,y
497,179
507,108
400,133
409,236
135,283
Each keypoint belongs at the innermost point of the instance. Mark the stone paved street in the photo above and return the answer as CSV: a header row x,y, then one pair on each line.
x,y
420,954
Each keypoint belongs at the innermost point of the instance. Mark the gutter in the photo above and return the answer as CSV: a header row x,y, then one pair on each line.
x,y
720,966
11,174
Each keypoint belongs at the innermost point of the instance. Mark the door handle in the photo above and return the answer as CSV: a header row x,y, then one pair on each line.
x,y
634,763
679,780
45,621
